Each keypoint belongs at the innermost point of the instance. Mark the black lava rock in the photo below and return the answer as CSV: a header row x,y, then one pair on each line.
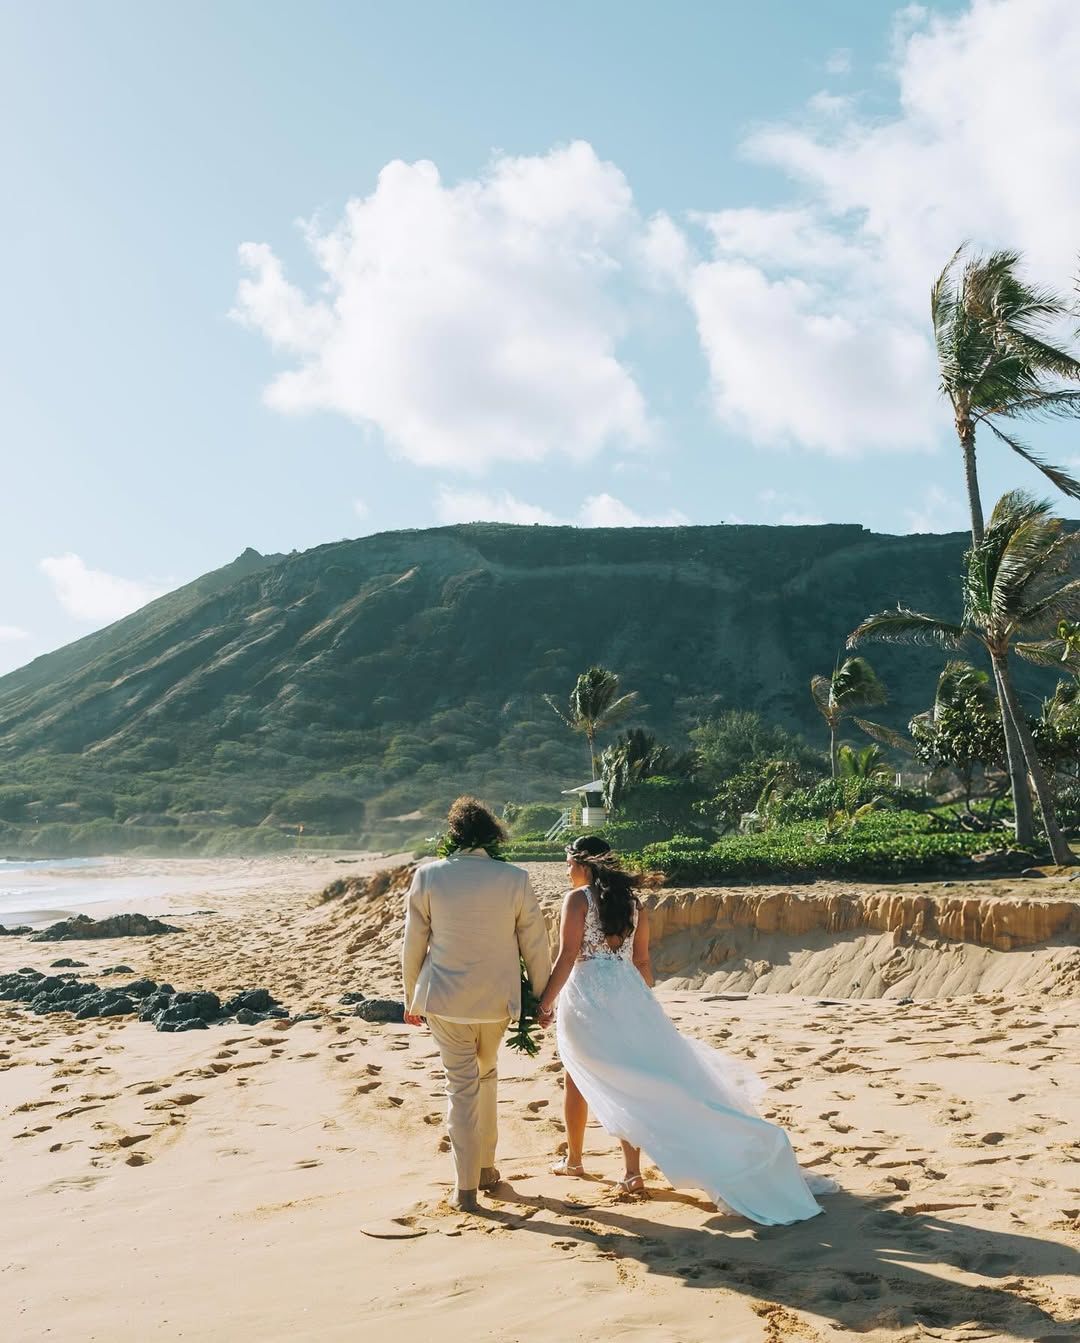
x,y
158,1003
380,1010
139,988
118,970
117,925
253,1000
14,932
353,996
66,961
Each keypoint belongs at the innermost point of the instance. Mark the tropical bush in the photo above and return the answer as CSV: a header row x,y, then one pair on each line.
x,y
842,794
884,845
534,817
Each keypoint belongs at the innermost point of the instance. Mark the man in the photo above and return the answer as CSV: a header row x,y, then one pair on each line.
x,y
467,918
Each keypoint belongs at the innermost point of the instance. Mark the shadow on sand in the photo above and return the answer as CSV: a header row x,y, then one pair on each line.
x,y
863,1264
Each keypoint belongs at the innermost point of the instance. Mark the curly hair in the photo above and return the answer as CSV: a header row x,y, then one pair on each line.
x,y
614,886
471,825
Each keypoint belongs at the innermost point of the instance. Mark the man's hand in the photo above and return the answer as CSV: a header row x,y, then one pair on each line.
x,y
545,1016
412,1020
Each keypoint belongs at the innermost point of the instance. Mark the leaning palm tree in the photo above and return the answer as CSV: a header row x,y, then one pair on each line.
x,y
1001,361
595,705
1018,586
853,685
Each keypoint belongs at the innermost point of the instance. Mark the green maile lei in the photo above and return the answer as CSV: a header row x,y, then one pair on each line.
x,y
524,1037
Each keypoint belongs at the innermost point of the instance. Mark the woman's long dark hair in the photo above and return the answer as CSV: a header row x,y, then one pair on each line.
x,y
613,885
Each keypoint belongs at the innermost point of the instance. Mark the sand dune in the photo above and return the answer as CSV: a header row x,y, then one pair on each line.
x,y
214,1185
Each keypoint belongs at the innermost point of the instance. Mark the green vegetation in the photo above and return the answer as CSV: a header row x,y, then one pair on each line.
x,y
1018,586
595,706
887,846
1001,360
853,685
355,689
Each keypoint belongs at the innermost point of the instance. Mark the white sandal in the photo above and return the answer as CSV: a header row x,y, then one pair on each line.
x,y
564,1167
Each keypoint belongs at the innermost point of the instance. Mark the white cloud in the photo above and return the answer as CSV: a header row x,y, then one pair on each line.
x,y
937,512
598,510
13,634
93,595
361,508
471,324
814,315
476,506
603,510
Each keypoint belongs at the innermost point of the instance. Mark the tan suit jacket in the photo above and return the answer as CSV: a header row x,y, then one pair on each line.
x,y
466,919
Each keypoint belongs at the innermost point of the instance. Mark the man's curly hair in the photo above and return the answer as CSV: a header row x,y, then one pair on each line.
x,y
471,825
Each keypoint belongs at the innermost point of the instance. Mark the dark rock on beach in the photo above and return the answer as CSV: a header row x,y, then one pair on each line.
x,y
81,927
157,1003
353,996
14,932
383,1010
66,961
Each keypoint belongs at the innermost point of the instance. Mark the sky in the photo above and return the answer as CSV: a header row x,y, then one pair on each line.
x,y
277,274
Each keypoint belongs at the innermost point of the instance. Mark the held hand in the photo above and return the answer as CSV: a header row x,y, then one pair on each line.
x,y
412,1020
545,1016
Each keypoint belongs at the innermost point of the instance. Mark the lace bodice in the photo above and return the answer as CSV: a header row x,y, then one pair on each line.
x,y
594,944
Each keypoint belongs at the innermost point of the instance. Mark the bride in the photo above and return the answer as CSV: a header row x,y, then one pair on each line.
x,y
689,1106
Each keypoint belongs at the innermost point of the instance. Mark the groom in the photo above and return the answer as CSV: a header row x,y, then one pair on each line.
x,y
467,918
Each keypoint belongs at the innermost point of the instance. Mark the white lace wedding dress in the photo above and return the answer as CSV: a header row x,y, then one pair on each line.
x,y
687,1105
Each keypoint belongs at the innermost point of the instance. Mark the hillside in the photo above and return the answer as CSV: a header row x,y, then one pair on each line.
x,y
368,679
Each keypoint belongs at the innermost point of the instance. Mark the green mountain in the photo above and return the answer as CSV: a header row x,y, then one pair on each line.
x,y
368,680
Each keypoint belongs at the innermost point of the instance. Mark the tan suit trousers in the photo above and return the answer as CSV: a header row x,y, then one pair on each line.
x,y
469,1050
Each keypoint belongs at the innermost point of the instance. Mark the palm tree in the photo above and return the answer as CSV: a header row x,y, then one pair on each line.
x,y
999,362
595,705
853,685
995,338
637,755
1017,588
866,763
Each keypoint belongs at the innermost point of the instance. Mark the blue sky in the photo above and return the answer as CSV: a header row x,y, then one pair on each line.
x,y
670,262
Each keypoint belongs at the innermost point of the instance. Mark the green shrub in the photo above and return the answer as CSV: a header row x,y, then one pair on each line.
x,y
626,836
808,804
662,801
535,816
886,845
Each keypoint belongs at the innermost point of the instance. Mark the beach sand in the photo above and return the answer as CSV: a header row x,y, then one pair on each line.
x,y
217,1185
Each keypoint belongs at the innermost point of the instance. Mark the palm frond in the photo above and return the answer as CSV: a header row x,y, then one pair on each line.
x,y
887,736
552,703
1039,405
1044,616
1055,474
821,690
855,684
904,626
1053,653
619,710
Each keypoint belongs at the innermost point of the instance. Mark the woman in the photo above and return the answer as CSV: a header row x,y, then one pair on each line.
x,y
689,1106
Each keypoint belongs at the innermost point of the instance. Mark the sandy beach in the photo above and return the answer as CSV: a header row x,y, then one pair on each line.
x,y
218,1184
